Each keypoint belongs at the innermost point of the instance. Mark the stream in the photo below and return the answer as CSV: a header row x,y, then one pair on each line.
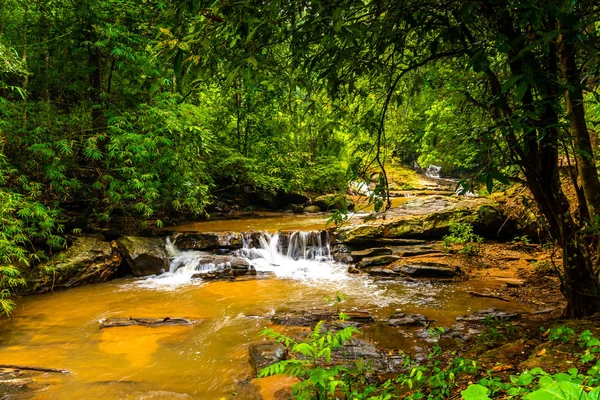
x,y
208,360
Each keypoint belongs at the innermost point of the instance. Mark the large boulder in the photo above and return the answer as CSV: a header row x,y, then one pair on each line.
x,y
89,259
427,218
208,241
145,256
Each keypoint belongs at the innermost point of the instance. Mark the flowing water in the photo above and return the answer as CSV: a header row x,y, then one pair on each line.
x,y
208,360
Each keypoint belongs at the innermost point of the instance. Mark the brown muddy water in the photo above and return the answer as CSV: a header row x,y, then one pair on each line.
x,y
207,360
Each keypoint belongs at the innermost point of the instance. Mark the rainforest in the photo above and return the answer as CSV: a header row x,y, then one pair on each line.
x,y
284,199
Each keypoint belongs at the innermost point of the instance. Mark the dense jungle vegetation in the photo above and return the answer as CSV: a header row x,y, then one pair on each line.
x,y
154,111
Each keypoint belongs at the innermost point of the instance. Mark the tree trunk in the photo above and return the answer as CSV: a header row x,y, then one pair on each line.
x,y
584,152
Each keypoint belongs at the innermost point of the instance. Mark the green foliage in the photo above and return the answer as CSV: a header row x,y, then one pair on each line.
x,y
462,234
497,330
539,384
312,362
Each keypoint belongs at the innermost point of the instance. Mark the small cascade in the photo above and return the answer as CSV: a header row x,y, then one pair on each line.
x,y
302,255
309,246
433,171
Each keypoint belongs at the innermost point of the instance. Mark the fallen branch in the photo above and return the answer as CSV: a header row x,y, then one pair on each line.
x,y
40,369
148,322
491,296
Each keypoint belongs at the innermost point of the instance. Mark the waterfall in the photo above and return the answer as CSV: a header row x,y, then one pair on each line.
x,y
433,171
304,255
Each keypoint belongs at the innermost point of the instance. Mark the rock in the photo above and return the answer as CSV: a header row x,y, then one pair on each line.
x,y
329,202
402,319
413,251
504,354
147,322
377,261
87,260
145,256
296,208
224,274
488,313
377,251
312,209
550,357
429,270
264,354
353,270
364,242
385,271
208,241
310,318
341,253
356,350
213,261
426,218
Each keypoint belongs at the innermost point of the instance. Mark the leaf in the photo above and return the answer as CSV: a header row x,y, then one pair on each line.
x,y
166,31
475,392
511,82
559,391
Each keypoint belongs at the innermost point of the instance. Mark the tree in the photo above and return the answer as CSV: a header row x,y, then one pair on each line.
x,y
525,60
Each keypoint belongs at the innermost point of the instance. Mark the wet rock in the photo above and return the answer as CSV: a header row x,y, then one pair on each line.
x,y
377,261
341,253
353,270
225,273
312,209
145,256
208,241
264,354
377,251
87,260
429,270
213,261
19,385
147,322
504,354
402,319
161,395
488,313
310,318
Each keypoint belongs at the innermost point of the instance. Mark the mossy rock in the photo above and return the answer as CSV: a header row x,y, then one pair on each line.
x,y
88,260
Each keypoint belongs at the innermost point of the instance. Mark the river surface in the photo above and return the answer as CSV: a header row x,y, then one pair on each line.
x,y
208,360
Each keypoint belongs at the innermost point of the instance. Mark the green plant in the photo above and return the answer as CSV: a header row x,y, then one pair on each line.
x,y
538,384
561,334
497,330
462,234
312,362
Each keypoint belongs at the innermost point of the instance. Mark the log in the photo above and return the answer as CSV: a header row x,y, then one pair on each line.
x,y
147,322
30,368
491,296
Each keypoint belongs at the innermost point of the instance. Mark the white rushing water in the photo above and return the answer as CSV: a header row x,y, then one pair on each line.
x,y
303,255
